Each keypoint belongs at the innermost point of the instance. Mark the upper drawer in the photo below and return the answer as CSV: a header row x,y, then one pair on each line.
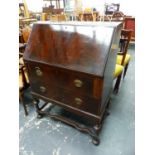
x,y
72,81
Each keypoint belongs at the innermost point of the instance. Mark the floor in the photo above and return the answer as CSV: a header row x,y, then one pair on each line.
x,y
48,137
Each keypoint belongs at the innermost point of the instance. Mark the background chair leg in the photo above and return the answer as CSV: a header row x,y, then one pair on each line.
x,y
22,101
117,84
125,70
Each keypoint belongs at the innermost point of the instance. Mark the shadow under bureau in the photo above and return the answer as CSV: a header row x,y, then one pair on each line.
x,y
71,65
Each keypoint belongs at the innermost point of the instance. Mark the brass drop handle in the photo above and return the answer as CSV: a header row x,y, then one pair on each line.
x,y
78,101
38,71
42,89
78,83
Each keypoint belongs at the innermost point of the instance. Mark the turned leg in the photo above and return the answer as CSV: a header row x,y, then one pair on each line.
x,y
94,134
125,70
97,127
21,94
36,104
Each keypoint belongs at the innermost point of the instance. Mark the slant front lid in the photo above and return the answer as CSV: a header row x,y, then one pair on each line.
x,y
79,47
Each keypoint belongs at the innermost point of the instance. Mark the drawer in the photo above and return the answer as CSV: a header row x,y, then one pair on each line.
x,y
72,81
70,98
81,102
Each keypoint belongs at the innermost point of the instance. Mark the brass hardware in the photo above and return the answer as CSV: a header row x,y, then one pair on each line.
x,y
78,101
38,71
42,89
78,83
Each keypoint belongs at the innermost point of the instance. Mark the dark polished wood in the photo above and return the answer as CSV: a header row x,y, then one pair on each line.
x,y
123,46
124,43
71,65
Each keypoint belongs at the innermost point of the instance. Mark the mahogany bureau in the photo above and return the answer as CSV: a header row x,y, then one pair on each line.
x,y
71,64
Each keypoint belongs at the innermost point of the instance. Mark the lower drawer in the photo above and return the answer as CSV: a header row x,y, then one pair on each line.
x,y
70,98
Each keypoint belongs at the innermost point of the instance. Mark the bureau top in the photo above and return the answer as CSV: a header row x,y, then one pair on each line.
x,y
78,46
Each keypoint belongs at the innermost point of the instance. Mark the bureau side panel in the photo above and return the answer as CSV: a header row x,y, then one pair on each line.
x,y
110,67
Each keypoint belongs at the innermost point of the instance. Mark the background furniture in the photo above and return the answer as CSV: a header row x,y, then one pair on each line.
x,y
58,18
24,16
123,57
111,8
117,76
118,16
129,24
88,16
23,85
23,10
72,67
25,32
54,7
23,78
21,40
54,10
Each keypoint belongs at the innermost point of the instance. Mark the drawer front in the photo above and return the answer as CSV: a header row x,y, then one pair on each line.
x,y
81,102
73,99
72,81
